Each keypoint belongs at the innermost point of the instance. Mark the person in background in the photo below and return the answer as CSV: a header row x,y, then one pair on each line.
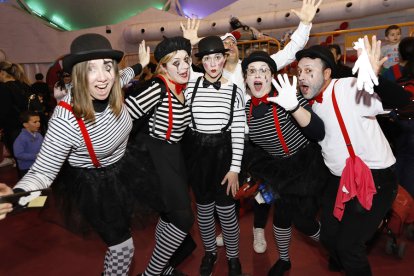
x,y
390,50
345,229
403,74
27,145
62,86
89,184
41,87
13,101
342,71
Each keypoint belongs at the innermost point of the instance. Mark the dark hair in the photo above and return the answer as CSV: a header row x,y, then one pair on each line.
x,y
406,51
336,47
26,115
61,75
390,28
39,76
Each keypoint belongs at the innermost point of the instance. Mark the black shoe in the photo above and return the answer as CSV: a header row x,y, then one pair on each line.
x,y
207,263
279,268
334,265
234,267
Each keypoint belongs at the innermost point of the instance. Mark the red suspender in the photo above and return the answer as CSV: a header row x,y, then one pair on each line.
x,y
396,71
85,135
277,126
341,124
170,112
279,131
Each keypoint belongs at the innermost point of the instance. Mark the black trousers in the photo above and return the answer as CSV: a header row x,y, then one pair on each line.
x,y
346,239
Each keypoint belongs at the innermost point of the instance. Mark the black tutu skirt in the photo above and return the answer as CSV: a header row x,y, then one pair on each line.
x,y
208,159
93,199
303,174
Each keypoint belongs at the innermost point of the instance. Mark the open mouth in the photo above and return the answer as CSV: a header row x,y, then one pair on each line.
x,y
304,89
258,85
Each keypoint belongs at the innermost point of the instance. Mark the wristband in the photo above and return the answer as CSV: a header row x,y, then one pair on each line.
x,y
295,109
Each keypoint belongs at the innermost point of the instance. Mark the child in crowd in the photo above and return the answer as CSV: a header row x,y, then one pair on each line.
x,y
27,144
390,50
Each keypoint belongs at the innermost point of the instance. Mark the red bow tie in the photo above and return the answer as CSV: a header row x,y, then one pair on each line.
x,y
317,99
257,101
179,87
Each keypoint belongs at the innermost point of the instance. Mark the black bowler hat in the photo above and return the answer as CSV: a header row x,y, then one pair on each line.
x,y
259,56
210,45
169,45
318,51
88,47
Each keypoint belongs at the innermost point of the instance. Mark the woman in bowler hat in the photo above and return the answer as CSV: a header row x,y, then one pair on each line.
x,y
155,149
213,150
88,132
281,153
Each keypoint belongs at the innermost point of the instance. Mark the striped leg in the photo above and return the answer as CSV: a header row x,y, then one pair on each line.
x,y
283,236
207,226
166,244
231,229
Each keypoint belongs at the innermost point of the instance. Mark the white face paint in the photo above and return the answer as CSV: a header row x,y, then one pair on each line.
x,y
101,78
311,77
178,68
259,78
213,65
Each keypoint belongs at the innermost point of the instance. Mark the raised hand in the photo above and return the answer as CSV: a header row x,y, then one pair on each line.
x,y
190,31
143,54
287,93
368,64
308,11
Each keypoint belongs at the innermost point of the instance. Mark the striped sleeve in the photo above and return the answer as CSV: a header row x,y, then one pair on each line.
x,y
237,131
140,102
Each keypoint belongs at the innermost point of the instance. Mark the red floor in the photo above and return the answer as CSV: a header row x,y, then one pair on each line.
x,y
31,246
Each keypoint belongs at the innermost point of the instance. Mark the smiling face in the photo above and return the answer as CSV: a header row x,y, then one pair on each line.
x,y
233,53
312,77
259,78
101,78
213,66
178,67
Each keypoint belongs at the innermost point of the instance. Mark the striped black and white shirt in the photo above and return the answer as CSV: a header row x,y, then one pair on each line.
x,y
211,111
64,140
262,130
140,103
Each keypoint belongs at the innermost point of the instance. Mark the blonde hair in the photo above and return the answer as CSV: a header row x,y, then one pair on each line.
x,y
164,60
15,71
81,99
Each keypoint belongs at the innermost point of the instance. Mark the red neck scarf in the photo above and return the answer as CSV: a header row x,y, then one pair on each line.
x,y
178,86
257,101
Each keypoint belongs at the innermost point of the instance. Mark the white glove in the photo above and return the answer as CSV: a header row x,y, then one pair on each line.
x,y
287,93
366,77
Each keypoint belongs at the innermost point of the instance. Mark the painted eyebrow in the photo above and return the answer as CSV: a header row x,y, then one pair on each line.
x,y
109,61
